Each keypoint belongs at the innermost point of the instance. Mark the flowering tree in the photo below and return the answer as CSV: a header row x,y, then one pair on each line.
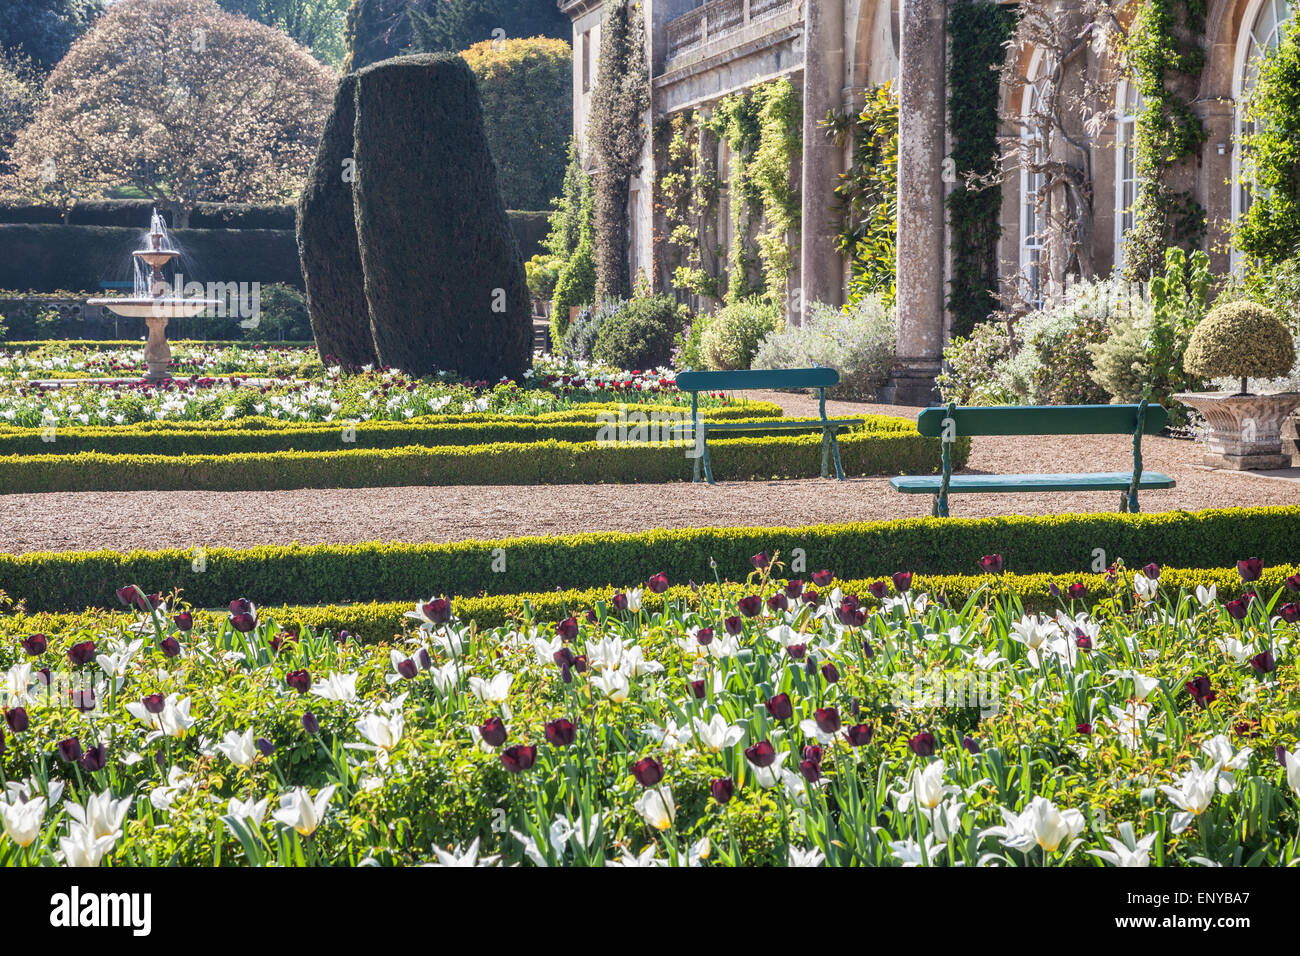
x,y
180,100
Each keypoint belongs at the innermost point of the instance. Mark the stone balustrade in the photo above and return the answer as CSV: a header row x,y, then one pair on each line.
x,y
716,20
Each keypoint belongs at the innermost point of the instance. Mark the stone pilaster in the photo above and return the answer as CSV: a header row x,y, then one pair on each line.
x,y
822,266
922,112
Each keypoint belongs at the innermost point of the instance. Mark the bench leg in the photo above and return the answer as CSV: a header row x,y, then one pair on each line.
x,y
835,449
939,507
708,468
826,454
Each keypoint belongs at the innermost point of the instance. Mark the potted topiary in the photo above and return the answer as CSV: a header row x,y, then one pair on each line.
x,y
1242,340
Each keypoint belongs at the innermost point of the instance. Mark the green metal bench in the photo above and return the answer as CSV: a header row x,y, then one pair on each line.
x,y
948,423
818,378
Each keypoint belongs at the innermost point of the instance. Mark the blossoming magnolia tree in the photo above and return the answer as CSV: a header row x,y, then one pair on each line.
x,y
770,722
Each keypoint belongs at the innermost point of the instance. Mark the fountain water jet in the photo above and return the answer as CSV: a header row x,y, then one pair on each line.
x,y
150,300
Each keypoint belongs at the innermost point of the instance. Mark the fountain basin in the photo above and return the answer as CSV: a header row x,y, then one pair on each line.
x,y
161,308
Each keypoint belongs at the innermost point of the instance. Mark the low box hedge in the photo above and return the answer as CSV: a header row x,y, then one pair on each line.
x,y
330,574
202,438
375,622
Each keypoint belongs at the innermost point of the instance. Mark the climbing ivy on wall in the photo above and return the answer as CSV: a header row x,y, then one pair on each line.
x,y
686,194
1166,61
1270,229
977,31
867,195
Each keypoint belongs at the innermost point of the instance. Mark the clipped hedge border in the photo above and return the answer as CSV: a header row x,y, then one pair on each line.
x,y
330,574
377,622
501,463
268,435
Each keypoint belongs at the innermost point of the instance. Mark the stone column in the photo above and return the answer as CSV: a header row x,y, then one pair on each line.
x,y
821,266
922,120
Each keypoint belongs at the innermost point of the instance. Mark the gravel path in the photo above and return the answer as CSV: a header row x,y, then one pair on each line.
x,y
115,520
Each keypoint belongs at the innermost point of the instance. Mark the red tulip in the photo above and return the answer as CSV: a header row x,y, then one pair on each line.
x,y
493,732
658,584
991,563
903,582
519,758
560,733
822,578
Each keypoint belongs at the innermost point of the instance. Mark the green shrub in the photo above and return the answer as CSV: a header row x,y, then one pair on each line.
x,y
1240,340
443,276
323,574
543,272
967,365
574,287
327,242
580,339
857,340
283,315
733,334
640,335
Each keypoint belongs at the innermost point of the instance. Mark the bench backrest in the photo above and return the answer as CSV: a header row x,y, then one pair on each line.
x,y
1043,420
757,378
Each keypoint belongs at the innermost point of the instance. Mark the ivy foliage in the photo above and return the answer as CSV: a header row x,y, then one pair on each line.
x,y
687,190
1166,60
867,196
1270,229
978,31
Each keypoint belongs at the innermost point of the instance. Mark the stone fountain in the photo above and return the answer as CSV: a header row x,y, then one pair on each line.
x,y
150,299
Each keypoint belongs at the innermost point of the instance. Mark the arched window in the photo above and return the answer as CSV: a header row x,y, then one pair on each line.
x,y
1033,151
1263,20
1128,104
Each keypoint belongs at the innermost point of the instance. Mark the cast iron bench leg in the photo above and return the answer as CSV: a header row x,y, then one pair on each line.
x,y
708,468
835,448
826,453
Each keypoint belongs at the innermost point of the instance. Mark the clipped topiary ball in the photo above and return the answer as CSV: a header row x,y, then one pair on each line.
x,y
1240,340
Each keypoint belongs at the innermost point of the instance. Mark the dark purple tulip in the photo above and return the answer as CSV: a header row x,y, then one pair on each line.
x,y
1293,583
299,680
830,673
147,602
734,625
16,718
1247,728
1054,589
310,723
780,707
648,771
1084,729
519,758
1281,754
184,620
83,699
170,646
344,637
1236,610
619,601
827,719
814,753
281,639
722,789
94,759
778,602
408,669
658,584
970,744
43,677
903,581
878,589
860,735
35,645
567,629
811,772
126,595
438,610
922,744
82,652
1076,591
580,663
1152,571
70,750
793,589
991,563
423,659
704,636
1250,569
761,754
593,617
241,606
822,578
750,605
154,703
564,657
1083,642
797,651
760,560
698,690
1201,690
244,623
1264,663
867,650
1290,612
560,733
810,597
493,732
265,746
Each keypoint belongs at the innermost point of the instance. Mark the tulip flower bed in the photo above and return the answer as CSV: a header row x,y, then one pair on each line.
x,y
1058,545
774,725
88,359
499,463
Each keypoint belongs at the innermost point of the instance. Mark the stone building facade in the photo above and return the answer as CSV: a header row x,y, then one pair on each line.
x,y
838,51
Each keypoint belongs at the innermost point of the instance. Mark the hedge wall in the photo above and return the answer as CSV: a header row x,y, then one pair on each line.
x,y
524,463
47,257
135,213
375,622
326,574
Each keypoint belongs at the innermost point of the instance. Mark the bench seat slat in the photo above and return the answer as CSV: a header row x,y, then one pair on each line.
x,y
1097,481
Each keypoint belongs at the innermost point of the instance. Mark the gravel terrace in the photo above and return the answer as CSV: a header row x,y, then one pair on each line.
x,y
116,520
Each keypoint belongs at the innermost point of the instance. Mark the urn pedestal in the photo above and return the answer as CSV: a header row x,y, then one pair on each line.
x,y
1245,430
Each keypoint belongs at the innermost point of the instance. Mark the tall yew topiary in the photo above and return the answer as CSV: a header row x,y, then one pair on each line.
x,y
327,242
443,276
616,133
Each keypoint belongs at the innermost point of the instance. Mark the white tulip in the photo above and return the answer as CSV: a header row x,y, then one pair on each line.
x,y
494,691
657,807
102,816
462,858
717,735
173,721
1225,760
614,684
1120,854
22,821
299,811
81,847
1206,596
248,811
811,857
1039,824
384,733
1192,794
342,687
1292,763
240,748
910,853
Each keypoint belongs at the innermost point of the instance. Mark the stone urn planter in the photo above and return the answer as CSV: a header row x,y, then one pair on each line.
x,y
1242,340
1245,430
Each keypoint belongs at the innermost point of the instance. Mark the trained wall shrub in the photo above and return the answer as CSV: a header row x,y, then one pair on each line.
x,y
323,574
